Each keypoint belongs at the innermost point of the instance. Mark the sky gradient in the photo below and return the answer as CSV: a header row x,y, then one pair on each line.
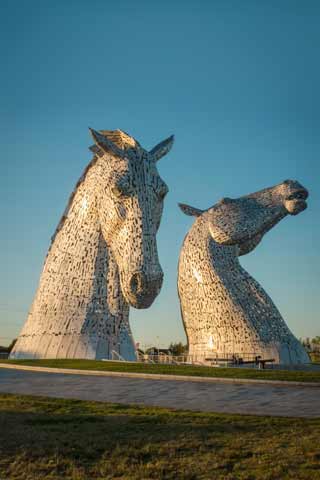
x,y
236,82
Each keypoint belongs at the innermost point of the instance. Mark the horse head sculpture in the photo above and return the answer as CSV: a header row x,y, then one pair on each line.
x,y
129,198
103,256
224,309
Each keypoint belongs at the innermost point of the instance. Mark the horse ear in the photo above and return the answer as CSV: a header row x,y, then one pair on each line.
x,y
103,143
193,212
162,148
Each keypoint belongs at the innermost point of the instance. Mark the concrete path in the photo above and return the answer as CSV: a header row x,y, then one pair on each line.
x,y
244,398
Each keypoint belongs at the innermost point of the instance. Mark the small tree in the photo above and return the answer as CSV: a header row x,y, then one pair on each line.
x,y
178,348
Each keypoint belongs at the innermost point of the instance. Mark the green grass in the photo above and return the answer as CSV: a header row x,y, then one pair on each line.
x,y
51,439
315,357
242,373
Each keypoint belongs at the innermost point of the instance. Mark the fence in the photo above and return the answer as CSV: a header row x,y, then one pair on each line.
x,y
227,360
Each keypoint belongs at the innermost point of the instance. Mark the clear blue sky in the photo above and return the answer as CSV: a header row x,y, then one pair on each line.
x,y
237,82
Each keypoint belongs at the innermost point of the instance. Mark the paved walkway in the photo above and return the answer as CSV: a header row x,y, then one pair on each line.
x,y
257,399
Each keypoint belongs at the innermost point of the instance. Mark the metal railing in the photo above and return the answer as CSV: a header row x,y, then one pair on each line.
x,y
214,360
116,356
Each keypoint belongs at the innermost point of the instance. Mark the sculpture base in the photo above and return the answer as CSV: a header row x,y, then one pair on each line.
x,y
72,346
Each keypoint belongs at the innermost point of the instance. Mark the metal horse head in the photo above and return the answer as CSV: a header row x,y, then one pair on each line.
x,y
224,310
129,198
244,221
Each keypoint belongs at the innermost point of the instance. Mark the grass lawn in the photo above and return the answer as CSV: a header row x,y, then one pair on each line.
x,y
42,438
175,369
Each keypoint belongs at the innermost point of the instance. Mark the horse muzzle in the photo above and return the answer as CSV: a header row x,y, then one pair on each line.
x,y
296,202
143,288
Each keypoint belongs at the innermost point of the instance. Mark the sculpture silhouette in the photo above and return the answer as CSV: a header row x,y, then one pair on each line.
x,y
103,256
224,310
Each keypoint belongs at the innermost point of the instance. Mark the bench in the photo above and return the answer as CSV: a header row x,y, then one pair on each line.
x,y
260,362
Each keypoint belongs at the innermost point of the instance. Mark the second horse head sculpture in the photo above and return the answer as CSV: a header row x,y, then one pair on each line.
x,y
225,311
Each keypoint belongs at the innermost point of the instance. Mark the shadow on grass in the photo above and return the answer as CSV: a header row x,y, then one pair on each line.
x,y
56,438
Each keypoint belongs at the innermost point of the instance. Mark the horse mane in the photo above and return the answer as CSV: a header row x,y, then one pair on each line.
x,y
70,200
122,140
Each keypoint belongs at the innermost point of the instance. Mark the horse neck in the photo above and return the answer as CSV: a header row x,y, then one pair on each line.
x,y
77,238
79,263
202,258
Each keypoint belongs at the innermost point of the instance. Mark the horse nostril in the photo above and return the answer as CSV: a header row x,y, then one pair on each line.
x,y
141,283
301,194
133,284
136,282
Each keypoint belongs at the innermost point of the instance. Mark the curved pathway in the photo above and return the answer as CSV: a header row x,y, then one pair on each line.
x,y
244,398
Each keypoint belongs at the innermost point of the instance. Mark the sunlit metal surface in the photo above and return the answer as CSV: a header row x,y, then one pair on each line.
x,y
103,256
225,311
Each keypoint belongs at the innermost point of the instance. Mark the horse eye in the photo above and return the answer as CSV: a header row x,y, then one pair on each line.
x,y
121,188
162,190
116,191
